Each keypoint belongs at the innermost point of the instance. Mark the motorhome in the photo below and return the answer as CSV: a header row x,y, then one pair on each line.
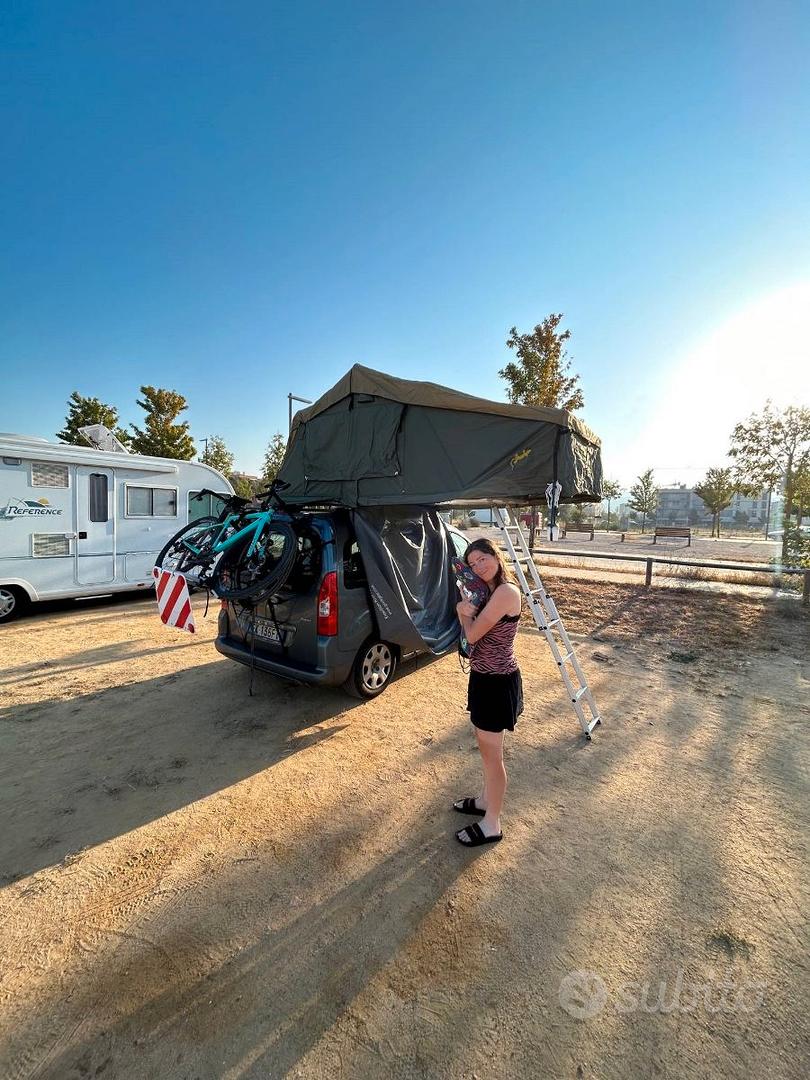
x,y
85,521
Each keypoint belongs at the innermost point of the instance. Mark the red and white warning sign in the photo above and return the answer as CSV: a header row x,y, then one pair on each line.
x,y
173,599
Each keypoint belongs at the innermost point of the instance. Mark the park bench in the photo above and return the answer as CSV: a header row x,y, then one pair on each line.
x,y
579,529
667,530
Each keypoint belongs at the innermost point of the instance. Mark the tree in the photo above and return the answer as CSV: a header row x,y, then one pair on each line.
x,y
801,495
83,411
644,497
575,515
716,490
217,455
539,376
611,489
770,448
242,485
273,457
162,437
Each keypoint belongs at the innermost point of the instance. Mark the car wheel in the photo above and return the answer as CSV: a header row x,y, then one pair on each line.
x,y
373,670
13,602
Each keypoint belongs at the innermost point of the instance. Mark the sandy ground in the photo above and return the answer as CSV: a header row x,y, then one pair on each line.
x,y
197,883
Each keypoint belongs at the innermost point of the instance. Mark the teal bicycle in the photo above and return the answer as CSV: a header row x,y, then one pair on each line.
x,y
242,554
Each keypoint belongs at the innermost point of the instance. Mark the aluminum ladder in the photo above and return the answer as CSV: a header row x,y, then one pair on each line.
x,y
548,621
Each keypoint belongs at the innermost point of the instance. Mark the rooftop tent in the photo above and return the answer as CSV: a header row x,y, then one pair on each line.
x,y
375,440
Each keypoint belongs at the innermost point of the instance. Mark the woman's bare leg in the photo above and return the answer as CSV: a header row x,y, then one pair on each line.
x,y
490,745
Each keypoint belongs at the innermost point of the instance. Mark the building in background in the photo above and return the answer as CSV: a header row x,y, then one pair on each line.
x,y
679,505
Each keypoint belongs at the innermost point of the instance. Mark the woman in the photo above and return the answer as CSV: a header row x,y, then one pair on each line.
x,y
495,694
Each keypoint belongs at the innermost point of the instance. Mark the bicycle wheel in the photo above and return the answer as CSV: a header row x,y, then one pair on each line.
x,y
239,575
177,554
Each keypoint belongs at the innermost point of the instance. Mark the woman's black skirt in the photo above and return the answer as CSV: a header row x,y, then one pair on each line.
x,y
494,702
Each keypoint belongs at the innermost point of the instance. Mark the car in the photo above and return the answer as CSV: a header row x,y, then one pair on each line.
x,y
319,627
777,534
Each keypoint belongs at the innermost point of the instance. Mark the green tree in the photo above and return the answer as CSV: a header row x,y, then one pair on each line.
x,y
611,489
84,411
540,376
242,485
161,436
217,455
716,490
772,448
801,495
273,457
644,497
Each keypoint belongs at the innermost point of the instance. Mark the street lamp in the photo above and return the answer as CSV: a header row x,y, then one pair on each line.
x,y
290,399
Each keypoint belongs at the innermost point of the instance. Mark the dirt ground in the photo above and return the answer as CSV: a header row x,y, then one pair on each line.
x,y
199,883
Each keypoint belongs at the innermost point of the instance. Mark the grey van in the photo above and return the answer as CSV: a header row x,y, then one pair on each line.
x,y
319,627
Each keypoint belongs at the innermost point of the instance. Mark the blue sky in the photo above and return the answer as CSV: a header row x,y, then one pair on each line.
x,y
238,201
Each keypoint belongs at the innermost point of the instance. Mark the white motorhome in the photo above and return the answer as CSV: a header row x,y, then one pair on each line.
x,y
77,522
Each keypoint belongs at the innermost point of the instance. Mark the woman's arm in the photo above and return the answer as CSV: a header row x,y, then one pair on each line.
x,y
500,603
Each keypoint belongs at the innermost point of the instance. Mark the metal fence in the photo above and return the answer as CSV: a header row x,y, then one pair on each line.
x,y
754,568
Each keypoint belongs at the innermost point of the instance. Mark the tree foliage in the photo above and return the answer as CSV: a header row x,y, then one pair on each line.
x,y
273,457
217,455
84,411
716,490
644,497
773,448
539,375
242,485
161,436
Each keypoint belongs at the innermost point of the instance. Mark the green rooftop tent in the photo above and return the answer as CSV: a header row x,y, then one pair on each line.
x,y
393,450
375,440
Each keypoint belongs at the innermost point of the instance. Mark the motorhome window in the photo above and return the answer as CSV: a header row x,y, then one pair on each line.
x,y
97,497
207,506
43,474
151,502
164,502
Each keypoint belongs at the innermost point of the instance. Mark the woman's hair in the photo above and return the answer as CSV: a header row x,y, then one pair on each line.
x,y
488,548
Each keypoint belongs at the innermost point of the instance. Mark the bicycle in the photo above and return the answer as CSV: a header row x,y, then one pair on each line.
x,y
238,555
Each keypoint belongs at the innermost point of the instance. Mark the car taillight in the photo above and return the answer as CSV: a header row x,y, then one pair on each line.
x,y
328,605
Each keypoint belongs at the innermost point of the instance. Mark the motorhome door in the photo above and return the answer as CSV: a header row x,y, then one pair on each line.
x,y
95,526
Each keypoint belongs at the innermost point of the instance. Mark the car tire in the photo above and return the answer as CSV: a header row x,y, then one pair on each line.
x,y
13,602
373,670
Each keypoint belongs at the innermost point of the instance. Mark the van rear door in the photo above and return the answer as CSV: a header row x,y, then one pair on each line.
x,y
293,611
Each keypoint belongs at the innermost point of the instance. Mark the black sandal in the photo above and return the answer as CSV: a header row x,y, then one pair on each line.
x,y
476,836
468,806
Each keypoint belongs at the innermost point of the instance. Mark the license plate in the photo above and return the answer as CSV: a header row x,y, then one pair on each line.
x,y
263,628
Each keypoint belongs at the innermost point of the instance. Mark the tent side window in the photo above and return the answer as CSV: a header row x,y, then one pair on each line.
x,y
352,444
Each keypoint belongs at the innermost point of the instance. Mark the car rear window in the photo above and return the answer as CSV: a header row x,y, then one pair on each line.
x,y
306,573
354,573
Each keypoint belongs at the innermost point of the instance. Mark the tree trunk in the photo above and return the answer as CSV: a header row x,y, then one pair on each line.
x,y
788,510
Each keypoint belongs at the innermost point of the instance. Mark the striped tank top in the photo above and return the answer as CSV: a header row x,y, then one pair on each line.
x,y
494,653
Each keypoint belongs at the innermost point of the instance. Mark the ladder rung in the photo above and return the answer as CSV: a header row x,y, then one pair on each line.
x,y
565,658
582,690
548,625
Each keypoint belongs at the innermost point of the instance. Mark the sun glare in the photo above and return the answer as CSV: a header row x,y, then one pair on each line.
x,y
759,352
